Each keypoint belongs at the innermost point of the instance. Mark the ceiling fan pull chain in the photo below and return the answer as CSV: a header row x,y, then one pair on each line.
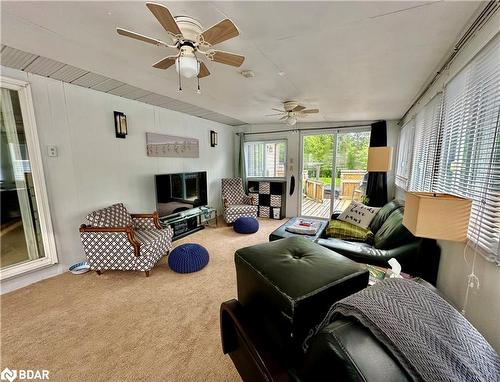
x,y
180,83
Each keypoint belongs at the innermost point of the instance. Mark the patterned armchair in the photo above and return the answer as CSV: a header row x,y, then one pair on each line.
x,y
236,202
122,241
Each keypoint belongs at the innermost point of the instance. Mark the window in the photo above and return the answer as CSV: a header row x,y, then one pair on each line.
x,y
405,151
426,145
265,159
469,161
457,146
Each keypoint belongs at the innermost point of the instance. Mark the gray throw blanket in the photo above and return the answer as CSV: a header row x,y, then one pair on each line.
x,y
430,339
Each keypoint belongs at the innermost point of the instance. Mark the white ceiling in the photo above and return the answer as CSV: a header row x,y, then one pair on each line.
x,y
353,60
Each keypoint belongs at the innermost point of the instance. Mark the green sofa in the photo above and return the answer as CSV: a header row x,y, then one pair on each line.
x,y
417,256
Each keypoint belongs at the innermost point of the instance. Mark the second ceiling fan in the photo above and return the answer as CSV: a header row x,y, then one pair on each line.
x,y
292,111
189,38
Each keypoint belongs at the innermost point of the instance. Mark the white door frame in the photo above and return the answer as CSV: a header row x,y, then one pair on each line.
x,y
21,185
26,102
335,132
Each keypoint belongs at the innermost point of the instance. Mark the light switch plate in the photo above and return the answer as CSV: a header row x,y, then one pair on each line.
x,y
52,151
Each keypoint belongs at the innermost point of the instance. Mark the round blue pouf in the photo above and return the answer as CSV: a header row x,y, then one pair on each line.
x,y
246,225
187,258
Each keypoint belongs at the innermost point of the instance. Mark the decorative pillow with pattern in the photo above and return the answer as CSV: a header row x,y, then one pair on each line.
x,y
347,231
112,216
358,214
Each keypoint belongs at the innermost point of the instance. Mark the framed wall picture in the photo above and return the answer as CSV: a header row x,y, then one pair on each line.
x,y
120,125
161,145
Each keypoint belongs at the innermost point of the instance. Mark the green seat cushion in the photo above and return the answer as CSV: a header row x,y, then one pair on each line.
x,y
347,231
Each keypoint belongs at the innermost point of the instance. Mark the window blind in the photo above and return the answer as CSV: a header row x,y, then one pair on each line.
x,y
405,152
427,123
468,164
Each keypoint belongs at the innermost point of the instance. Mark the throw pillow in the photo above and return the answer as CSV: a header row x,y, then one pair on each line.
x,y
358,214
347,231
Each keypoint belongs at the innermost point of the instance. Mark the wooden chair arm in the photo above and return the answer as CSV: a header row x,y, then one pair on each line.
x,y
129,230
89,228
155,216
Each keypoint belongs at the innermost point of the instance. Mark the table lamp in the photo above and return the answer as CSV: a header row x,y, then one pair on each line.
x,y
379,159
437,216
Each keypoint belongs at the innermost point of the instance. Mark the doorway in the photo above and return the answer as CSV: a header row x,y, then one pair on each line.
x,y
333,171
26,240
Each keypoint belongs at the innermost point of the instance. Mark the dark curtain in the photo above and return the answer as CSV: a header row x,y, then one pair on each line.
x,y
241,168
376,188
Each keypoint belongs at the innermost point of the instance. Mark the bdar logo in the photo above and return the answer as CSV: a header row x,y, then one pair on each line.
x,y
8,375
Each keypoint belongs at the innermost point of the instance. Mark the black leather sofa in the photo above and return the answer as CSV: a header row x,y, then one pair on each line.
x,y
284,289
418,257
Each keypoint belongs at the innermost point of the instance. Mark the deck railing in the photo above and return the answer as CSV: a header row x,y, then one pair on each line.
x,y
350,181
314,189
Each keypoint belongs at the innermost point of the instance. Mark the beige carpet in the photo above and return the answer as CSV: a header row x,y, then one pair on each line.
x,y
122,326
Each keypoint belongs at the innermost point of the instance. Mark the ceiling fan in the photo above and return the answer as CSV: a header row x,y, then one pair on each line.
x,y
292,111
189,38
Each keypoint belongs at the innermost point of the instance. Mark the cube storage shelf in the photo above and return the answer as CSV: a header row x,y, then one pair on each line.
x,y
270,197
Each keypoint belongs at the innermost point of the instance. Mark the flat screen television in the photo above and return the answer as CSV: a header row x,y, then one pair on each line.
x,y
180,192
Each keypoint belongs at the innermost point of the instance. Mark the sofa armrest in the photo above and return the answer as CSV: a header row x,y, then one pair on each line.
x,y
100,232
252,356
146,221
349,351
365,253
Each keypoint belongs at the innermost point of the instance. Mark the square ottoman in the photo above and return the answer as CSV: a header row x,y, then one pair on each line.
x,y
289,285
281,232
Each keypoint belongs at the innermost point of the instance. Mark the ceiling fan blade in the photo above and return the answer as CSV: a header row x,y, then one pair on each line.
x,y
164,17
203,70
310,111
281,111
222,31
284,117
273,115
165,63
298,108
227,58
137,36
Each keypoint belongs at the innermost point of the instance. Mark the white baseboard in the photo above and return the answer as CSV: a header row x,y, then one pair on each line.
x,y
21,281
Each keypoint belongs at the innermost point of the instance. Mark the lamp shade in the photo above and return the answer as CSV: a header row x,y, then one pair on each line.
x,y
437,216
380,159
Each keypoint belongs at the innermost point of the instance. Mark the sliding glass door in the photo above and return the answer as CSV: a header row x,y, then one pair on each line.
x,y
350,167
333,170
318,182
25,233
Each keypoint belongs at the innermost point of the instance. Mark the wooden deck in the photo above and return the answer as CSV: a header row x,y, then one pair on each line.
x,y
322,210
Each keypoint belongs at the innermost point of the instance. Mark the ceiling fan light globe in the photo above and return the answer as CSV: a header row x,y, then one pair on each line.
x,y
187,66
291,121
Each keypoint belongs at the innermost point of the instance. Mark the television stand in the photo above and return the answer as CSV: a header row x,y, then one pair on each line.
x,y
190,221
